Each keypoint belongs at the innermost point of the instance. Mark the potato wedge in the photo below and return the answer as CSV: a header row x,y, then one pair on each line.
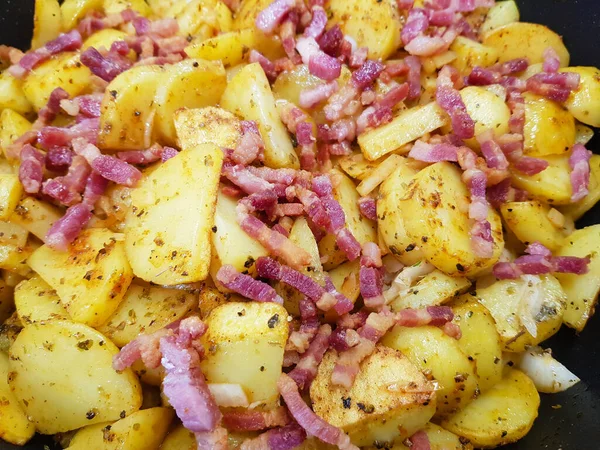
x,y
46,22
502,13
553,185
530,223
390,216
11,94
142,430
244,345
10,194
356,166
231,244
72,11
146,310
36,216
210,124
499,416
430,349
91,278
409,125
127,110
581,290
470,53
63,70
527,311
437,199
249,95
389,400
192,83
480,339
363,229
15,428
584,103
12,126
36,301
526,40
345,279
183,190
549,128
373,24
435,288
58,400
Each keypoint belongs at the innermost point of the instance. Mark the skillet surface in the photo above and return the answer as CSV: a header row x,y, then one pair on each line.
x,y
567,421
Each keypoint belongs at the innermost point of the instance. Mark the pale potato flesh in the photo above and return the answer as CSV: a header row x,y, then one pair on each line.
x,y
90,392
181,191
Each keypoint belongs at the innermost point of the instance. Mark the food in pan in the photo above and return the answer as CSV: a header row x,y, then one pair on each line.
x,y
290,224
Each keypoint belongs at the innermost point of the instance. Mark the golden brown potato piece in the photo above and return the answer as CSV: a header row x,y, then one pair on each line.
x,y
14,426
526,40
181,191
438,221
430,349
530,223
210,124
389,400
500,416
584,103
58,400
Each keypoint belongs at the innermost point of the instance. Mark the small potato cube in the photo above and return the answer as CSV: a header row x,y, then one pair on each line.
x,y
168,229
530,223
146,310
437,219
584,103
210,124
244,345
408,126
64,70
430,349
91,278
13,234
248,95
36,216
10,194
479,340
116,6
142,430
581,290
549,128
433,289
363,229
538,302
36,301
502,415
526,40
389,400
14,426
192,83
89,392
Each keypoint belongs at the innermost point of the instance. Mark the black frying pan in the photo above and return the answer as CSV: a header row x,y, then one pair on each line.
x,y
567,421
